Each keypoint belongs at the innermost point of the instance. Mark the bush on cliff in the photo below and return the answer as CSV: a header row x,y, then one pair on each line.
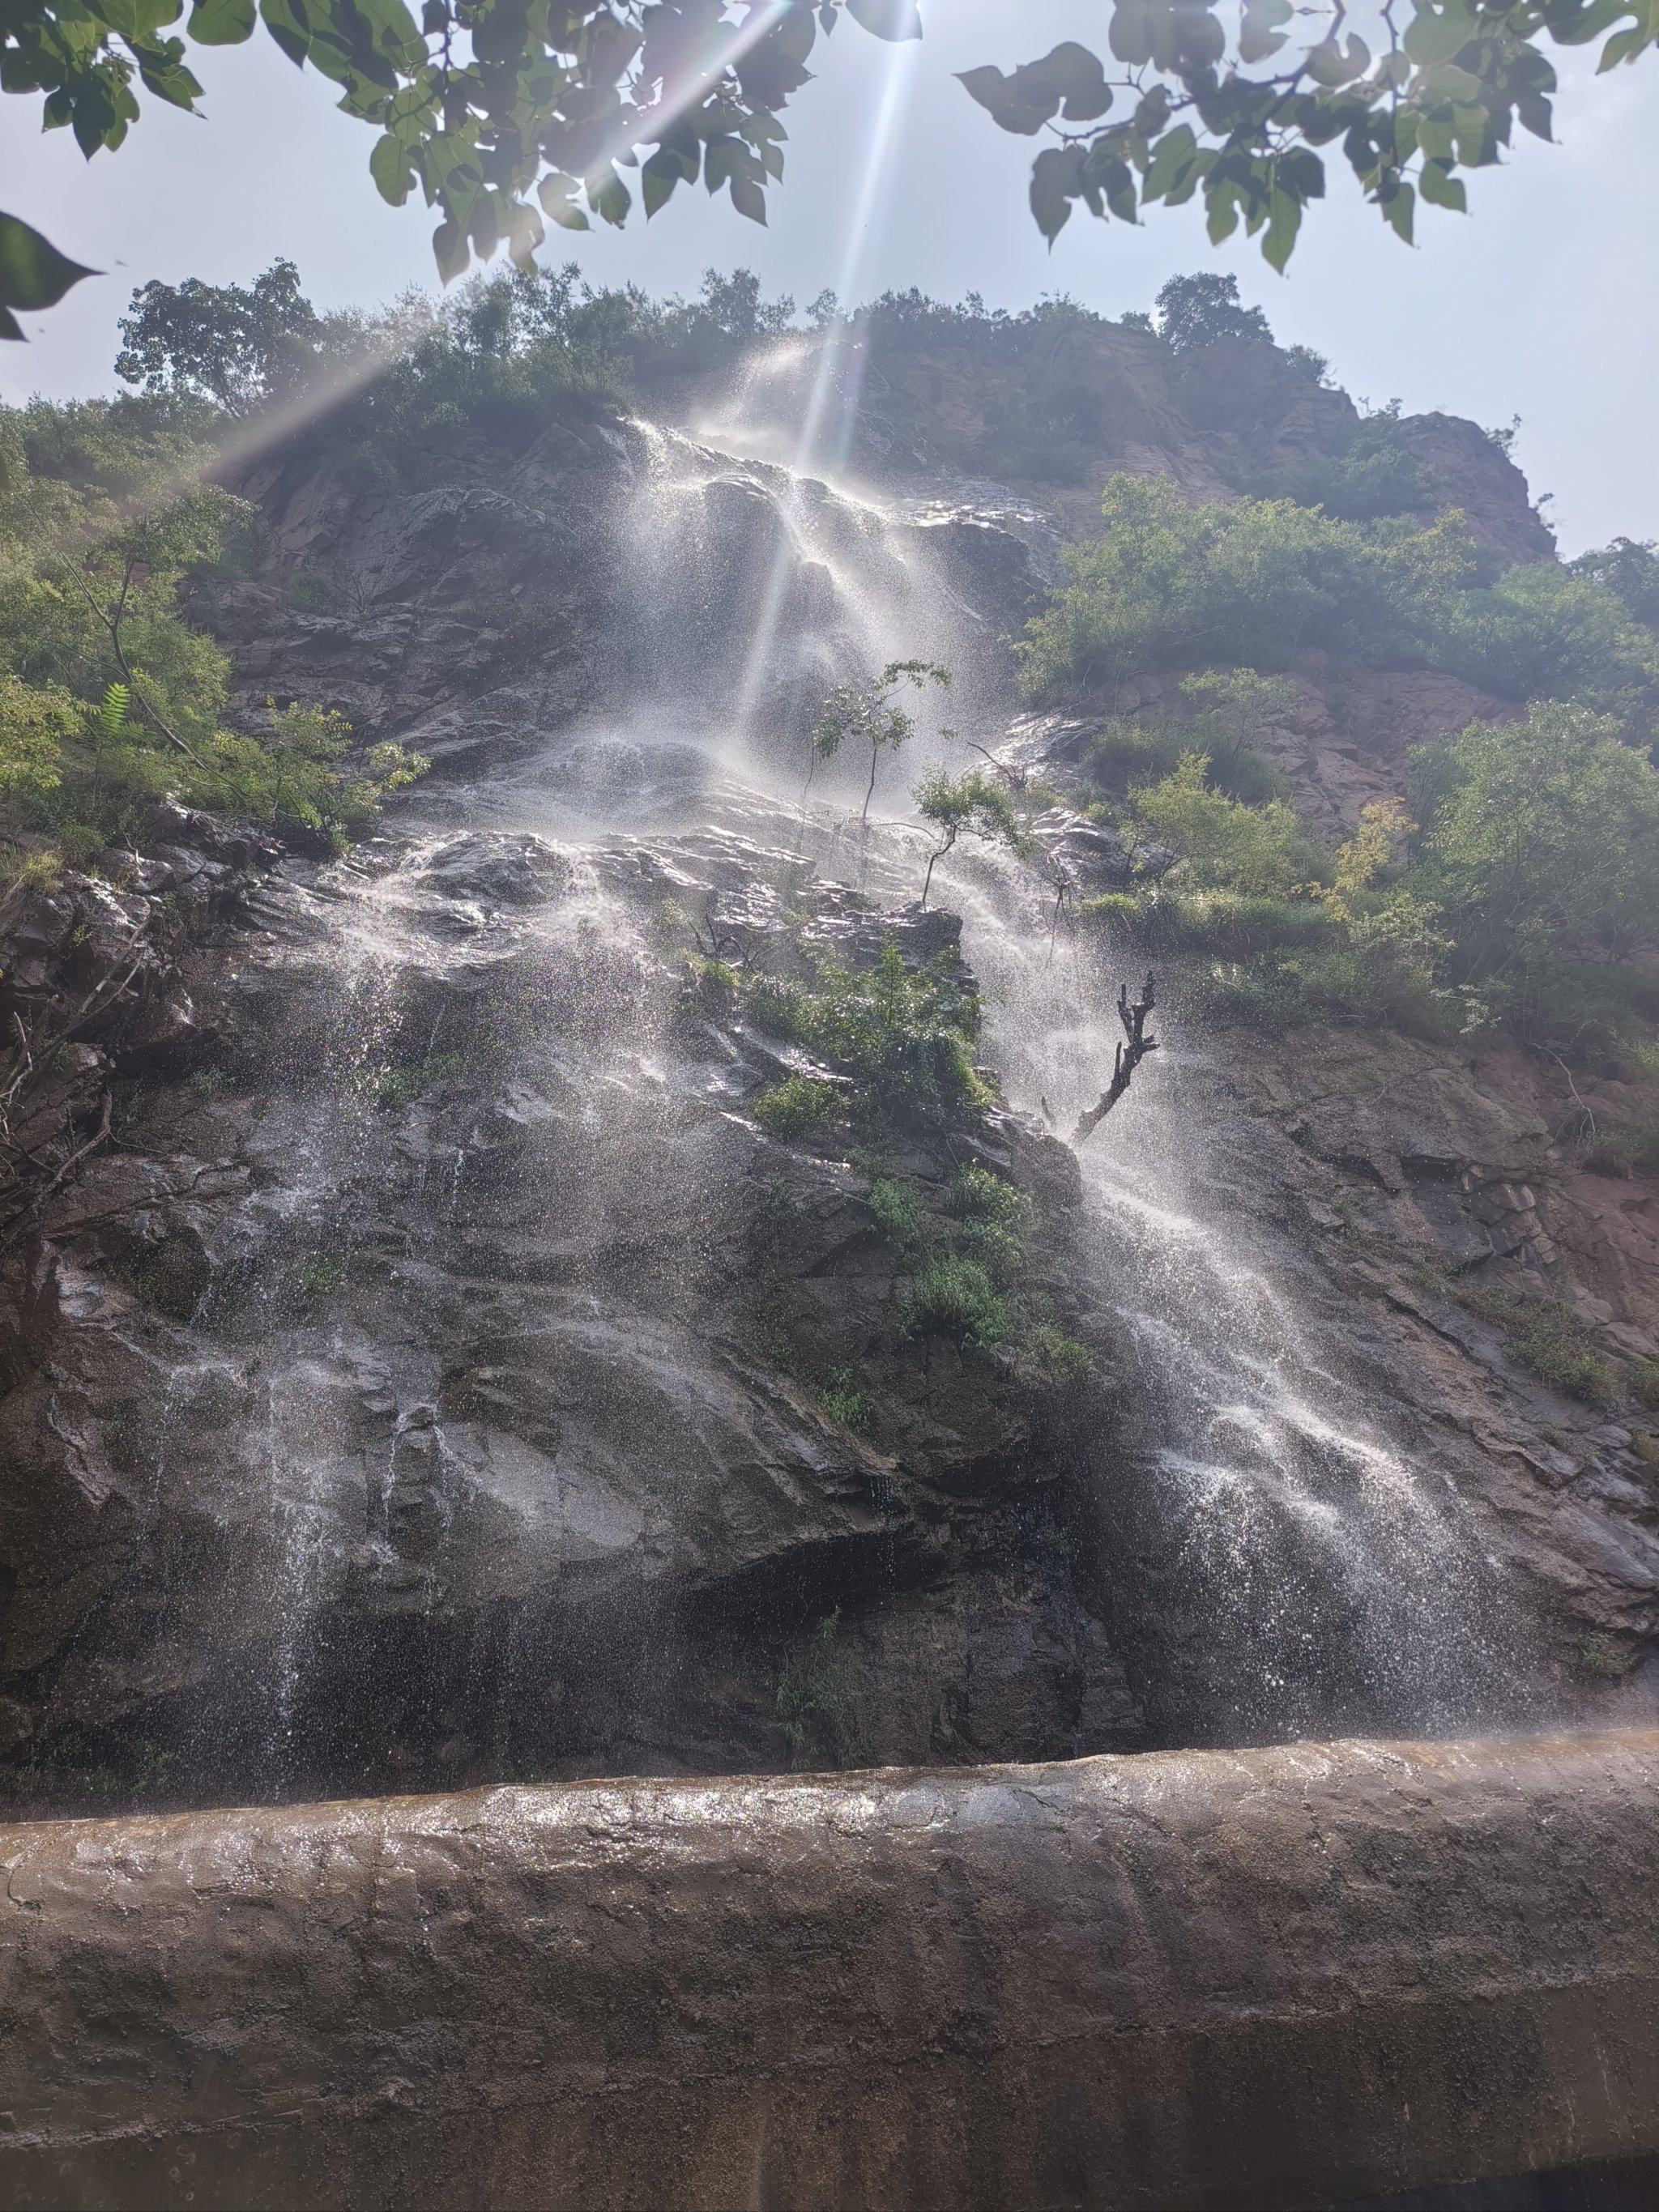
x,y
1525,892
107,697
1253,584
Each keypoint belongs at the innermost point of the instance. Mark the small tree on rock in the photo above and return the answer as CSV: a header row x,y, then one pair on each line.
x,y
974,805
868,714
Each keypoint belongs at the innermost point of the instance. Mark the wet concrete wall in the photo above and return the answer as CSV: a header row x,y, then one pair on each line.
x,y
1293,1977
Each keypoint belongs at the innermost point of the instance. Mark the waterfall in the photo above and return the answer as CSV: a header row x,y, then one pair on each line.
x,y
481,1456
1281,1562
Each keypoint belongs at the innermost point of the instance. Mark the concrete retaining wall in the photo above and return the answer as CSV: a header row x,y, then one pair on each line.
x,y
1279,1978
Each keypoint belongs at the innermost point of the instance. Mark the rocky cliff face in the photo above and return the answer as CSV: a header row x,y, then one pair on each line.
x,y
421,1362
1047,413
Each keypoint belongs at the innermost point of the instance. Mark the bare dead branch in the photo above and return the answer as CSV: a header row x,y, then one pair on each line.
x,y
1134,1048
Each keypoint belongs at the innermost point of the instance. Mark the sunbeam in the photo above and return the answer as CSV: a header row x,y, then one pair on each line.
x,y
842,345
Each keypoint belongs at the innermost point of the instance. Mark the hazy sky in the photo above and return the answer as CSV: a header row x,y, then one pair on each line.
x,y
1541,303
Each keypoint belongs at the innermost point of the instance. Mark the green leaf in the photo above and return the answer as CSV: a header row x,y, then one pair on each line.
x,y
1328,65
1131,31
291,33
657,178
1075,76
222,22
1441,189
1283,223
34,274
1438,34
748,199
1056,181
390,167
1259,32
609,198
1172,160
997,95
1397,205
451,250
555,194
888,18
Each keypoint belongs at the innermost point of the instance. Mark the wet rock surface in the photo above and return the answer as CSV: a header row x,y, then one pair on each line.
x,y
1299,1977
422,1363
431,1382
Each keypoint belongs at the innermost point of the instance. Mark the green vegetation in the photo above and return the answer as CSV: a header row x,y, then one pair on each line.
x,y
1523,894
868,715
971,806
1251,584
318,1274
1259,851
401,1086
1642,1381
954,1296
502,115
1542,1334
842,1400
1602,1652
902,1036
814,1702
897,1210
798,1104
108,699
1372,473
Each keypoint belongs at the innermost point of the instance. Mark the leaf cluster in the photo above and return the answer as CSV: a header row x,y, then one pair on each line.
x,y
903,1036
1242,121
1521,890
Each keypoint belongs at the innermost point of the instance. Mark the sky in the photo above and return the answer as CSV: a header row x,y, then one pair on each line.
x,y
1542,303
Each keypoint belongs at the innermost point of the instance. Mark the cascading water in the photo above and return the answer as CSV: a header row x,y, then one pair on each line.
x,y
486,1454
1278,1564
1282,1567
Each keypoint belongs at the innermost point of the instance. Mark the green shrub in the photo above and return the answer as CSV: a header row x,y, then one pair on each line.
x,y
1600,1652
984,1195
814,1702
1259,850
310,594
1546,1337
1642,1381
107,697
319,1274
1251,584
799,1104
954,1296
1247,584
842,1399
894,1204
903,1036
1625,1149
401,1086
1054,1355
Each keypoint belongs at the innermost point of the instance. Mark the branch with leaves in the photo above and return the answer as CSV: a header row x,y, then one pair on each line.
x,y
863,715
971,806
506,117
1442,94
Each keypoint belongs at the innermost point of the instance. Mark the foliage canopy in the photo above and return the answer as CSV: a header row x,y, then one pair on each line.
x,y
502,115
1253,583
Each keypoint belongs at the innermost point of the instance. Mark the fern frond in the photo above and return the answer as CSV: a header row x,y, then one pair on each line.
x,y
113,710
